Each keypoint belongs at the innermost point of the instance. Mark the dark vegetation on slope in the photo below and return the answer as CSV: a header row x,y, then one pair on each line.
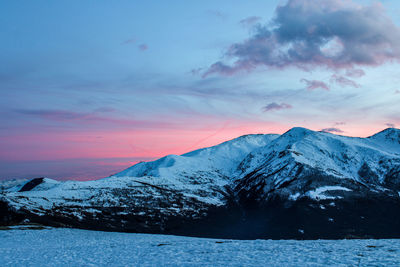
x,y
362,215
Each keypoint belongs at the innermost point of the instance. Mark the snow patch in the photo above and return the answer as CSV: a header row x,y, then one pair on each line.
x,y
294,197
318,194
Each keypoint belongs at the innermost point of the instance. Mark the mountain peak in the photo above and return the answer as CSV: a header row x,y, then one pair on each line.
x,y
224,156
298,132
389,134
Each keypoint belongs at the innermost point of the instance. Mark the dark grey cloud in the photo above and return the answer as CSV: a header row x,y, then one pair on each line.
x,y
275,106
390,125
332,130
314,84
332,34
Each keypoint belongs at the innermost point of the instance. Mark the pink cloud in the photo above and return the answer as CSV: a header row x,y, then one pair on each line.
x,y
343,81
355,73
314,84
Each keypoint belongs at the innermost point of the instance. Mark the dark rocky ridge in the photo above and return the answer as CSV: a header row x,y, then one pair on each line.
x,y
31,184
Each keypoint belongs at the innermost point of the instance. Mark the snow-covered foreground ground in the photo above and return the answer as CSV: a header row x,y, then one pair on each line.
x,y
72,247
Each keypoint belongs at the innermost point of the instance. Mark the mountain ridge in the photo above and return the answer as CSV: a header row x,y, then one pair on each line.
x,y
262,180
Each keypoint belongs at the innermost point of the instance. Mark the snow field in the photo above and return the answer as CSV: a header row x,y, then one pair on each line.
x,y
73,247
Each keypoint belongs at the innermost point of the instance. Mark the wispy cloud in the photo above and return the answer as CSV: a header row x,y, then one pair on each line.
x,y
105,109
275,106
129,41
343,81
390,125
332,130
143,47
133,41
355,73
340,123
83,118
307,34
217,14
56,115
314,84
250,21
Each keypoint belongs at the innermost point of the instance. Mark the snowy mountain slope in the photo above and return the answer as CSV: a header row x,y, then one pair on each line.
x,y
185,185
249,179
12,185
221,161
300,152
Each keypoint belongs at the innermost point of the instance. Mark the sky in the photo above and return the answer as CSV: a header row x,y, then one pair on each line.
x,y
88,88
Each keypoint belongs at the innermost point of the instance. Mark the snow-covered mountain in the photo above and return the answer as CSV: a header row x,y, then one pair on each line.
x,y
299,184
12,185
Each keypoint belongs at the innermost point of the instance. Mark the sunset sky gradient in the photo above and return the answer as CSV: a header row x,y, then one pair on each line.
x,y
89,88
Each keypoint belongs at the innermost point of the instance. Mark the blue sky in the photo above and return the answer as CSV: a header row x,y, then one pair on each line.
x,y
93,86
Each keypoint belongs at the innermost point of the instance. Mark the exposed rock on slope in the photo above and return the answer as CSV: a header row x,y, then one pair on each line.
x,y
302,184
